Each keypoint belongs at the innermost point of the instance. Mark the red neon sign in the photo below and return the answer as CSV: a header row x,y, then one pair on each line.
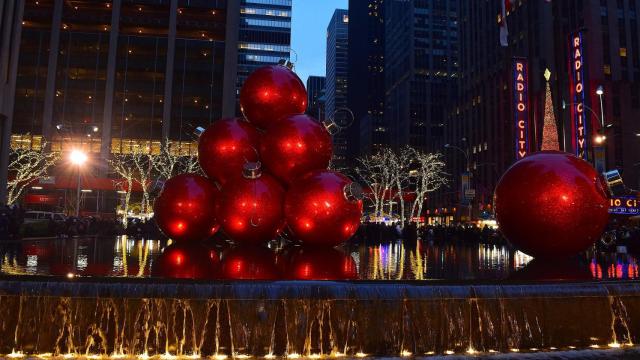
x,y
578,90
521,107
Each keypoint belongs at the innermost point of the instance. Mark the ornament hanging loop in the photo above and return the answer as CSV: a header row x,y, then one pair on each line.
x,y
252,170
353,192
333,126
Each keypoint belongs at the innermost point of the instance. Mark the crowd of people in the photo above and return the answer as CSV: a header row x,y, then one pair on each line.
x,y
12,227
11,219
380,232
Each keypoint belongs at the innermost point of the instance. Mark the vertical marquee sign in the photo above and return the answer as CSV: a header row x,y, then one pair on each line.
x,y
521,106
578,91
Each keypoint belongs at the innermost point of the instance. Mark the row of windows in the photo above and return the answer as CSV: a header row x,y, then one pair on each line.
x,y
263,58
264,47
118,146
269,2
267,23
266,12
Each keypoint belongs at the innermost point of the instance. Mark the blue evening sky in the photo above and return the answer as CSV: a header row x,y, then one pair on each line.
x,y
309,34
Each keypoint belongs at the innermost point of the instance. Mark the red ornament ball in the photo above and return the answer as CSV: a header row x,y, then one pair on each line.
x,y
187,261
551,204
271,93
185,210
323,208
249,263
225,147
320,263
251,210
294,146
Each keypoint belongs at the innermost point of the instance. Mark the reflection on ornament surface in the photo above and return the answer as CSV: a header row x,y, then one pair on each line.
x,y
318,211
184,210
271,93
249,263
225,147
294,146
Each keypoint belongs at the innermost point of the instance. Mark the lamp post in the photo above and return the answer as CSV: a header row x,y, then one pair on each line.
x,y
462,176
599,140
78,158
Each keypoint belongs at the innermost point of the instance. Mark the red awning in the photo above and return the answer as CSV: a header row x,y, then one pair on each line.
x,y
35,199
87,182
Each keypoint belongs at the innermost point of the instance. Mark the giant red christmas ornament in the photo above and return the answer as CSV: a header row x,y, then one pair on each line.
x,y
323,208
251,210
187,261
320,263
249,263
225,147
551,204
271,93
294,146
184,210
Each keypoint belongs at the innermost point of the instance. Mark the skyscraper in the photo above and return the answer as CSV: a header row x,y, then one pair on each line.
x,y
421,68
265,35
315,96
10,32
117,76
366,96
336,82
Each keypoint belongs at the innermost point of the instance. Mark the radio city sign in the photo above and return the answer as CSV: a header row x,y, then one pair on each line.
x,y
578,91
521,107
624,206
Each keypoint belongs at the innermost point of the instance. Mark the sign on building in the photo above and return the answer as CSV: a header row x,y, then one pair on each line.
x,y
579,96
521,107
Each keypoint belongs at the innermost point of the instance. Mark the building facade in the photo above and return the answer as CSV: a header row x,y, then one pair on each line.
x,y
11,13
421,69
315,96
542,35
264,35
113,77
337,84
366,96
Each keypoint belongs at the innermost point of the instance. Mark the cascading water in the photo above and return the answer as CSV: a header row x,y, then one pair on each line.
x,y
311,319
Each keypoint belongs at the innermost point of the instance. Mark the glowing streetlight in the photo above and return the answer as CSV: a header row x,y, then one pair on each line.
x,y
78,158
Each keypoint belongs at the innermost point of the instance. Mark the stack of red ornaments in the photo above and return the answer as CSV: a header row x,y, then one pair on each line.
x,y
264,173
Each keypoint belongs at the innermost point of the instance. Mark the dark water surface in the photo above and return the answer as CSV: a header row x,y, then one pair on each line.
x,y
397,260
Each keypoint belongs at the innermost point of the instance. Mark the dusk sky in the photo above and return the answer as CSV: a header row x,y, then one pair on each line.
x,y
309,34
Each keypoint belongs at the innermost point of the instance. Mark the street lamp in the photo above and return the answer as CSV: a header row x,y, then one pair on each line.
x,y
78,158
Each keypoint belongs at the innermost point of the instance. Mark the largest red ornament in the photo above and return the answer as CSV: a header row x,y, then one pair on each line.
x,y
225,147
551,204
185,210
271,93
323,208
294,146
251,210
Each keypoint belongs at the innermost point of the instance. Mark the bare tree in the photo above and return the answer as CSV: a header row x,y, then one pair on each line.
x,y
123,166
189,165
391,175
399,163
429,177
26,166
166,163
143,163
374,173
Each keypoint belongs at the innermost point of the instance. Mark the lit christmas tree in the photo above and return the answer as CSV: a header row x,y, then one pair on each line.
x,y
550,129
